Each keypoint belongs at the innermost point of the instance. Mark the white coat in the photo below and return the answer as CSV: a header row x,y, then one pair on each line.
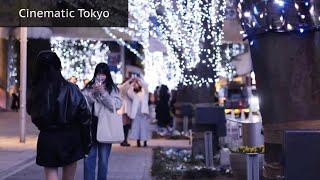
x,y
139,111
136,98
126,102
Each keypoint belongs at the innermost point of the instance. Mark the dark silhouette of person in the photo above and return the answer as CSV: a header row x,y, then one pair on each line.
x,y
163,109
15,102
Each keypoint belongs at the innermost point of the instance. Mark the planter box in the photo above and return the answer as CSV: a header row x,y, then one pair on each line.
x,y
239,165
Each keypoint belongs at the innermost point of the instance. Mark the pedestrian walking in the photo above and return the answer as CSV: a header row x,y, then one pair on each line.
x,y
139,111
173,102
103,95
126,105
15,103
156,100
163,109
62,115
152,107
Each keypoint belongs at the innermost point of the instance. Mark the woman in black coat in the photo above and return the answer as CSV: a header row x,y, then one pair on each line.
x,y
62,115
163,109
15,102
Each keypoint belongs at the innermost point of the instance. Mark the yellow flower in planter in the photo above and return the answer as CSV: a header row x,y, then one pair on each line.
x,y
246,149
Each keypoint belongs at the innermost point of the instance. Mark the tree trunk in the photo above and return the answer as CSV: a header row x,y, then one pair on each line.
x,y
287,70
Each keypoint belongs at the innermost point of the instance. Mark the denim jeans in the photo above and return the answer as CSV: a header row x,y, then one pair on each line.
x,y
103,158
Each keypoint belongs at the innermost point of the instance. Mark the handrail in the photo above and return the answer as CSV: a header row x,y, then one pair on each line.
x,y
239,121
234,120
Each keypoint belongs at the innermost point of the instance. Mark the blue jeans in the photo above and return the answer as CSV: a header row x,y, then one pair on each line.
x,y
103,158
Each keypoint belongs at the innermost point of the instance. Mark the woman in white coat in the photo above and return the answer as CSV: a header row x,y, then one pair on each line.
x,y
126,105
139,111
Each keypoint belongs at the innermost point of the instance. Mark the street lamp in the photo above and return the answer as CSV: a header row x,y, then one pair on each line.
x,y
23,82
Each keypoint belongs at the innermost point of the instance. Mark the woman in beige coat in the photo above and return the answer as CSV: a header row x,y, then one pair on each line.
x,y
139,111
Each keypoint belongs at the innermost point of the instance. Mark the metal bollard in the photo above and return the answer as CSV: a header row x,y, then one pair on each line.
x,y
252,166
233,116
190,137
250,117
185,125
208,149
242,115
174,123
240,130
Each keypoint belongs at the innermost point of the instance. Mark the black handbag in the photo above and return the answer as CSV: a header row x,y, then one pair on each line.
x,y
93,126
86,138
89,133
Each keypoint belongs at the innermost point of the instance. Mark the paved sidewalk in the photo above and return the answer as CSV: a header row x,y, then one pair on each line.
x,y
17,160
124,164
15,156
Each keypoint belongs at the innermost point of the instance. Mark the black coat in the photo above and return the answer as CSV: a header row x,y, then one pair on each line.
x,y
63,120
163,111
15,102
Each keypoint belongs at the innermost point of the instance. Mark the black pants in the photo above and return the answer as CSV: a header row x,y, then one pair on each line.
x,y
126,129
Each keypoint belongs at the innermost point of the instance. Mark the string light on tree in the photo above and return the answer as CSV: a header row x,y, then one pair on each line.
x,y
278,16
139,30
79,57
183,32
161,70
121,42
182,26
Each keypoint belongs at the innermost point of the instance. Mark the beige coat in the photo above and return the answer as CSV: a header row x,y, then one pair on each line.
x,y
104,102
136,98
126,101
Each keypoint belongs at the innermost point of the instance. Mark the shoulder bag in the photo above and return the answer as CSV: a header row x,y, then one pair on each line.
x,y
110,129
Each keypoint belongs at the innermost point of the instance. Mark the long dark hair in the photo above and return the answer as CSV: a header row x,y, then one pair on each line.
x,y
46,81
103,68
47,68
164,93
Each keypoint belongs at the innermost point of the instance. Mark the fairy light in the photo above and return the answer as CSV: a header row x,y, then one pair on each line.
x,y
182,26
281,18
79,57
158,68
12,64
255,10
121,42
298,13
279,2
182,32
301,30
230,50
247,14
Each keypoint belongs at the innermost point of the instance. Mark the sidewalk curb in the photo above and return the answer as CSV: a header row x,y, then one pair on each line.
x,y
17,168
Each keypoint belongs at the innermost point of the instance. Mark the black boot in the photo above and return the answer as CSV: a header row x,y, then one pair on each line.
x,y
145,144
138,143
126,131
125,143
